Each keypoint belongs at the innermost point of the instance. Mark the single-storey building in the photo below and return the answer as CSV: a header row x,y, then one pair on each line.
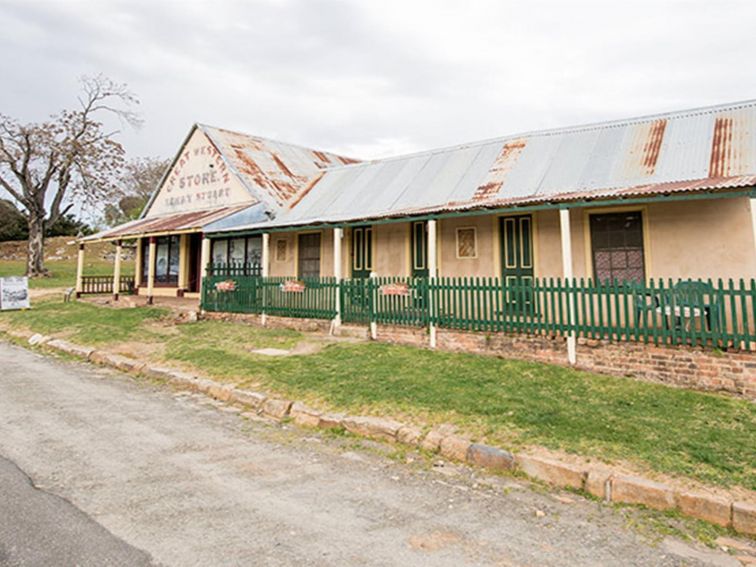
x,y
641,229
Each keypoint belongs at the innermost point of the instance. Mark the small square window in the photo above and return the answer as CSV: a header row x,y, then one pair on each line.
x,y
281,250
467,243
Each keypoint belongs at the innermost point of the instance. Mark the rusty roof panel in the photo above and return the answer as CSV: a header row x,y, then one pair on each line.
x,y
706,148
274,171
195,220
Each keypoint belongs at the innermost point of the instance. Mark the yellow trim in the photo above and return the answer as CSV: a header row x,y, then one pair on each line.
x,y
183,275
475,242
643,209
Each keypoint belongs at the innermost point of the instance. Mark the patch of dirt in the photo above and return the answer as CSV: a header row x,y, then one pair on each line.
x,y
433,541
139,350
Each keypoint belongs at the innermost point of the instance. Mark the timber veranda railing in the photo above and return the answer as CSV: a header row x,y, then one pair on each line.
x,y
93,285
719,314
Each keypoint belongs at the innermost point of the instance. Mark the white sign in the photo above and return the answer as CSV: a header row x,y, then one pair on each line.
x,y
14,293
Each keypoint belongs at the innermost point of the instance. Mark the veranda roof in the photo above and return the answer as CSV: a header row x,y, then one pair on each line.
x,y
712,148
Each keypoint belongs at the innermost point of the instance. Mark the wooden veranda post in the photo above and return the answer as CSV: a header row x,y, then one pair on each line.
x,y
117,270
204,261
80,271
432,275
566,234
338,234
265,271
151,270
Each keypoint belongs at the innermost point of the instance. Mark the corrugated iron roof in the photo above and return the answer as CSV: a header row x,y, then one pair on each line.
x,y
196,220
693,150
274,172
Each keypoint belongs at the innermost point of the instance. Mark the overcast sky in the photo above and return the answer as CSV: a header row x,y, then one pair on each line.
x,y
376,77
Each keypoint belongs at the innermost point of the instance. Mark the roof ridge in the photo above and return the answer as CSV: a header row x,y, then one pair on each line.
x,y
272,140
585,127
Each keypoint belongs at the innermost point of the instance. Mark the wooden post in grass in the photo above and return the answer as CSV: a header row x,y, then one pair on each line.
x,y
265,271
564,225
432,274
117,271
80,271
338,234
151,270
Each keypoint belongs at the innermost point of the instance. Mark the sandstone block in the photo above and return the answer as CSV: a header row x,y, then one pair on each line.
x,y
490,457
744,517
714,509
220,392
70,348
368,426
331,421
454,447
276,408
598,482
116,361
409,435
636,490
247,398
37,339
304,416
551,471
432,441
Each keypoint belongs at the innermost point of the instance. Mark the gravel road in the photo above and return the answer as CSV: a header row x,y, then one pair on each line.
x,y
131,472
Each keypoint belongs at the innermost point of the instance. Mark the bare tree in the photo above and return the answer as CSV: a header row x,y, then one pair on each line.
x,y
141,177
49,166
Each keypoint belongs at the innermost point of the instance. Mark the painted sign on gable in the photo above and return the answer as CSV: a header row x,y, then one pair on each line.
x,y
198,180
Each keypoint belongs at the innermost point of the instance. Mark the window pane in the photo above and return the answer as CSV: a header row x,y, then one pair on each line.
x,y
220,251
236,250
161,260
617,241
254,250
173,259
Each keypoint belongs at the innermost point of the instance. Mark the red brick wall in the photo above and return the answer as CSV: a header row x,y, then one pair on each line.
x,y
733,372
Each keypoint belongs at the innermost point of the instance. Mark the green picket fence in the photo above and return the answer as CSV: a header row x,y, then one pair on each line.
x,y
691,312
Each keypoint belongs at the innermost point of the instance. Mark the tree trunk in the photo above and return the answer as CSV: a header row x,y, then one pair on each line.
x,y
35,265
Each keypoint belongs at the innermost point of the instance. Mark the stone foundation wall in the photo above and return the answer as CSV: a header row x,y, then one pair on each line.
x,y
690,367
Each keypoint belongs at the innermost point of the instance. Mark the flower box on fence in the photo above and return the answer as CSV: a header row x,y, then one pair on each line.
x,y
225,286
401,289
293,286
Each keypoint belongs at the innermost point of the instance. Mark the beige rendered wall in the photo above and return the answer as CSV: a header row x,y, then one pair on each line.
x,y
485,264
702,239
685,239
391,249
688,239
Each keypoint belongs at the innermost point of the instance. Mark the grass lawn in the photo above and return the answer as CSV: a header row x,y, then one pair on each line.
x,y
710,438
63,272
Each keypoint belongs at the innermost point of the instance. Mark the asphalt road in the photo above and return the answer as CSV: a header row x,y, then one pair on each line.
x,y
123,472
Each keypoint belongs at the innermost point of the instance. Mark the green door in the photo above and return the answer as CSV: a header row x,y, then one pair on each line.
x,y
362,251
517,257
419,250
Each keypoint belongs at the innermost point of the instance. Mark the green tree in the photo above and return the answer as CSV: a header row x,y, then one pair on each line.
x,y
12,222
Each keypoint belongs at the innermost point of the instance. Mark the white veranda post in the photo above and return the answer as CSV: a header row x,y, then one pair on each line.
x,y
117,270
80,271
432,274
338,234
564,225
151,270
265,269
